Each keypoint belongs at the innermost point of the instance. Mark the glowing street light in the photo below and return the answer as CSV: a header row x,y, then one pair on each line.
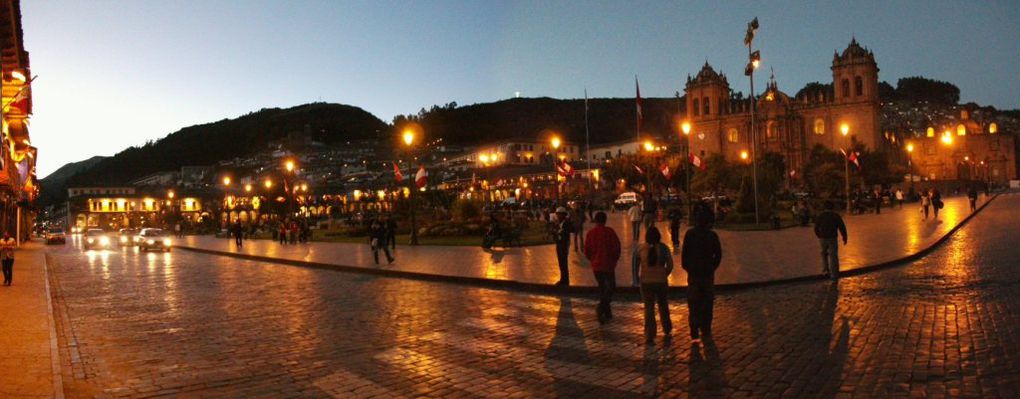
x,y
649,146
269,183
555,142
910,165
744,155
247,188
845,129
408,137
170,194
686,128
289,165
947,138
226,180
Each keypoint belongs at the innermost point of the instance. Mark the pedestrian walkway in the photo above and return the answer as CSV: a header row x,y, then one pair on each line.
x,y
749,257
26,342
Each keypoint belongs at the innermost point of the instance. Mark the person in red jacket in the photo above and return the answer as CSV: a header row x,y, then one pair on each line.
x,y
602,248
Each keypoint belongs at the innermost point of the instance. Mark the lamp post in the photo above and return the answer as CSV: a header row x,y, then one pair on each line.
x,y
845,130
288,190
555,142
408,137
685,127
910,166
226,197
754,59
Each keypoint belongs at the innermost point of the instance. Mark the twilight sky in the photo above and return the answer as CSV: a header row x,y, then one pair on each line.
x,y
113,74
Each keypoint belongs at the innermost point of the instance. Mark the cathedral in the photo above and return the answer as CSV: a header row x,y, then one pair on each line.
x,y
835,116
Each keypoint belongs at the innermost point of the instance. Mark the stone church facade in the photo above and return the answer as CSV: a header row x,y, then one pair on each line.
x,y
791,126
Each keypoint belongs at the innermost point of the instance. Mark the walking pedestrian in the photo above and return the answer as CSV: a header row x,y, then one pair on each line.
x,y
827,225
899,197
654,264
936,202
562,228
972,195
238,233
282,232
635,220
292,230
701,256
178,230
925,203
577,218
391,232
602,248
377,240
7,246
675,218
877,196
650,210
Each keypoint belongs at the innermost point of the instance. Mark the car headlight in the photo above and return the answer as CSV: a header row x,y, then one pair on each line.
x,y
104,241
150,242
166,242
91,241
123,239
138,239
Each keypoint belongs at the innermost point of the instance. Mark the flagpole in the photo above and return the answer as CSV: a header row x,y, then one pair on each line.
x,y
587,147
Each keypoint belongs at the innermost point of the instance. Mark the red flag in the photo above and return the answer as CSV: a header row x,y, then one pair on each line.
x,y
852,157
396,173
665,171
421,179
640,115
696,161
564,169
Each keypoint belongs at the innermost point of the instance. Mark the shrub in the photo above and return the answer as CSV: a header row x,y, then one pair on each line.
x,y
465,209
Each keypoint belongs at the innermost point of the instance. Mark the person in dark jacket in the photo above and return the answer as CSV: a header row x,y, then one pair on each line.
x,y
391,232
701,255
377,239
675,217
827,225
972,195
561,230
602,248
238,233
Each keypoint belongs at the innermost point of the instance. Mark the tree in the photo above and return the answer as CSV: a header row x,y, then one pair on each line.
x,y
718,176
823,172
919,88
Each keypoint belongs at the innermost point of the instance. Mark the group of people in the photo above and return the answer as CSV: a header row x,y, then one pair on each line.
x,y
652,263
291,231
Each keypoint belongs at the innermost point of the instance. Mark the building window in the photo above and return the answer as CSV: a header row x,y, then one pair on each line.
x,y
961,130
993,128
930,132
707,104
845,85
859,86
609,154
770,130
819,126
732,135
696,107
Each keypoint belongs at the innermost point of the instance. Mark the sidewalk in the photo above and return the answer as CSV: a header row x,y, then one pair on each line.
x,y
749,257
27,345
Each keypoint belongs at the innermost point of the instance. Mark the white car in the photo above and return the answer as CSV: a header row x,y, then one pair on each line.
x,y
154,239
95,238
626,200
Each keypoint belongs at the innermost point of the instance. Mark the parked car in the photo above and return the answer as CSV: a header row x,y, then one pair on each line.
x,y
55,235
155,239
625,200
95,238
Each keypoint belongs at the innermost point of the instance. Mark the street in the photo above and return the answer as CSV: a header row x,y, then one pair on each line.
x,y
136,324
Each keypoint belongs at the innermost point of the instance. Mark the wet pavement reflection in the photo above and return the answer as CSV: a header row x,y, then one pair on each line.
x,y
134,324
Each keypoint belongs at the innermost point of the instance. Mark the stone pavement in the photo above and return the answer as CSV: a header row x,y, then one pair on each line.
x,y
27,367
748,256
184,324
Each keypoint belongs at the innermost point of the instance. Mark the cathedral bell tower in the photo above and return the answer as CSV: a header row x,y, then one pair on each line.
x,y
855,74
707,95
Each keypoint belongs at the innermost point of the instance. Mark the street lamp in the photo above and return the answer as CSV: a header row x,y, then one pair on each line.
x,y
685,127
845,130
744,155
408,137
910,166
247,188
269,184
555,142
754,60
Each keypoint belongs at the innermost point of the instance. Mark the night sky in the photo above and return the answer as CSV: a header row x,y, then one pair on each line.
x,y
118,73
